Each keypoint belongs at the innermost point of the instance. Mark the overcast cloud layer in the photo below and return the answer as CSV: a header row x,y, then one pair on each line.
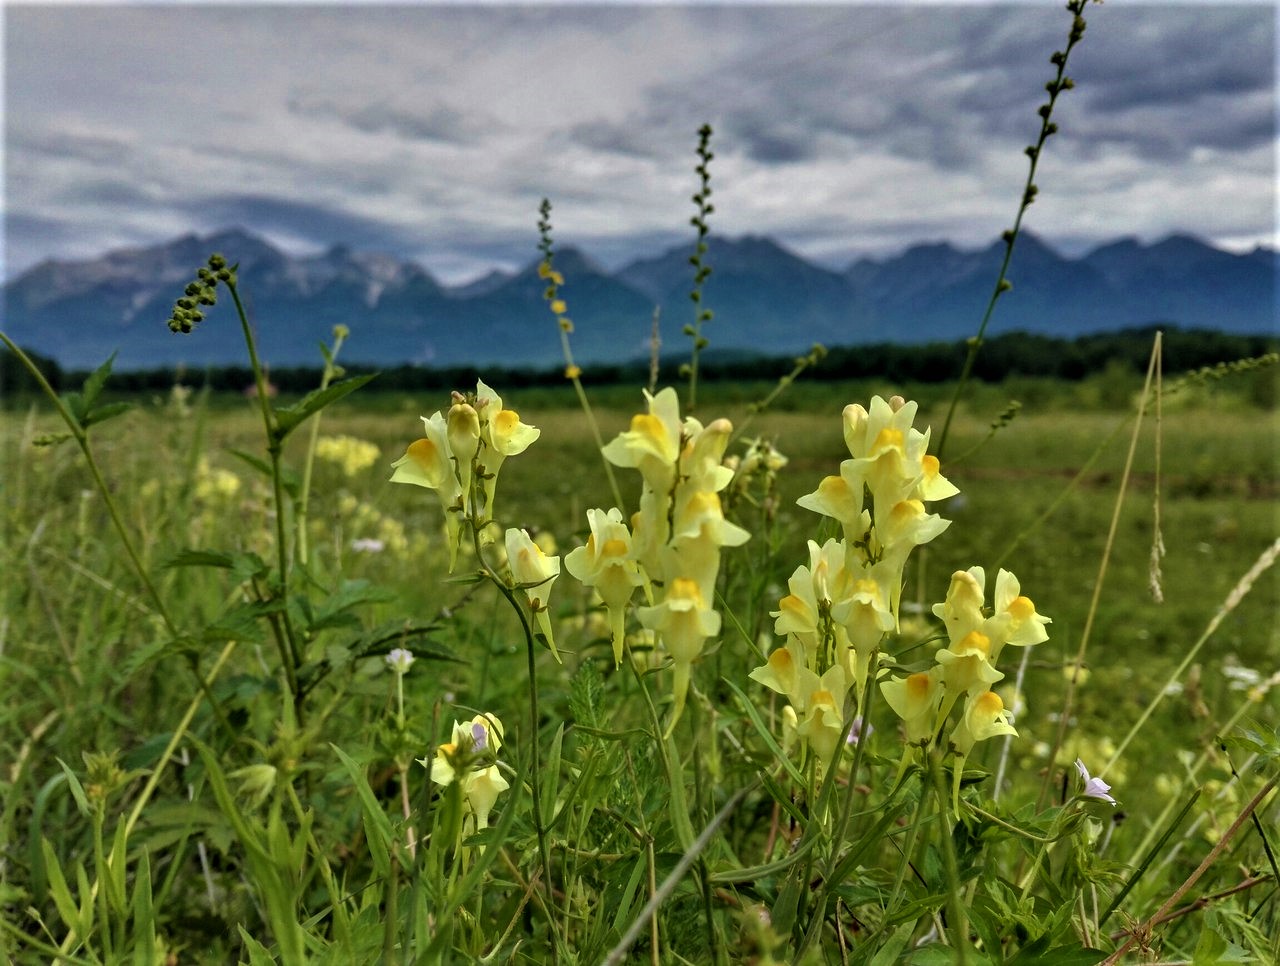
x,y
432,131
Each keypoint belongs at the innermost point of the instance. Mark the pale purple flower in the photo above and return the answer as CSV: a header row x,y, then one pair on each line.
x,y
399,660
1093,787
479,736
858,729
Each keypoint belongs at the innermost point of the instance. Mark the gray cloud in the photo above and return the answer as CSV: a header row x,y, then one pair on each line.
x,y
316,224
433,130
434,122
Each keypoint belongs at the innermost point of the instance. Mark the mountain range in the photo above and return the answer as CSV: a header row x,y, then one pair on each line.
x,y
765,298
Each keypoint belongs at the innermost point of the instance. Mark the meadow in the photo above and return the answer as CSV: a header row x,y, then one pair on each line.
x,y
328,791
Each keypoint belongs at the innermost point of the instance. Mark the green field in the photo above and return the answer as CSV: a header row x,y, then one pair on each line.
x,y
92,668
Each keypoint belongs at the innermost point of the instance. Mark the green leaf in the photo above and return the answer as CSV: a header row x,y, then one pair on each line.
x,y
291,417
257,462
336,610
58,889
75,405
92,387
77,790
243,566
377,827
241,621
585,690
936,954
100,414
144,916
289,479
750,709
551,776
384,637
259,955
112,877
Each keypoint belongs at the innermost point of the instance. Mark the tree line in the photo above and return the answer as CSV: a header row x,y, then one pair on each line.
x,y
1002,356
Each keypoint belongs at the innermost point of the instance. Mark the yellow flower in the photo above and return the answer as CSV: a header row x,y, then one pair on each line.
x,y
427,463
785,672
605,563
889,454
701,460
683,621
1015,616
463,426
467,758
837,498
652,444
961,612
984,717
866,613
966,665
824,715
534,572
353,455
916,700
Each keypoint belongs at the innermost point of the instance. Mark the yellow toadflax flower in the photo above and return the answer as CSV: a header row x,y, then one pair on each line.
x,y
534,572
652,444
984,717
503,435
605,563
683,621
468,758
428,462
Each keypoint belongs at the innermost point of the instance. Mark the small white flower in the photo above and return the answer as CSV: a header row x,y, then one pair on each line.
x,y
1093,787
368,545
399,660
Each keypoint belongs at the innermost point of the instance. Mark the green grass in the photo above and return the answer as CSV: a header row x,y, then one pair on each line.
x,y
91,669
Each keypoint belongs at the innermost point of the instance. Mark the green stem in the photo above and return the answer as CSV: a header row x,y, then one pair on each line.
x,y
917,822
290,652
1182,890
595,432
81,437
1068,703
958,920
304,498
1047,128
1264,561
535,719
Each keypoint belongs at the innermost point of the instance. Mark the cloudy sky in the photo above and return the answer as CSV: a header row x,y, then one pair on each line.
x,y
432,131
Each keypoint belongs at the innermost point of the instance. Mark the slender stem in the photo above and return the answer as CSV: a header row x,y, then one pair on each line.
x,y
917,821
595,432
958,920
1047,128
290,652
1182,890
534,717
619,952
1068,703
81,437
304,498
